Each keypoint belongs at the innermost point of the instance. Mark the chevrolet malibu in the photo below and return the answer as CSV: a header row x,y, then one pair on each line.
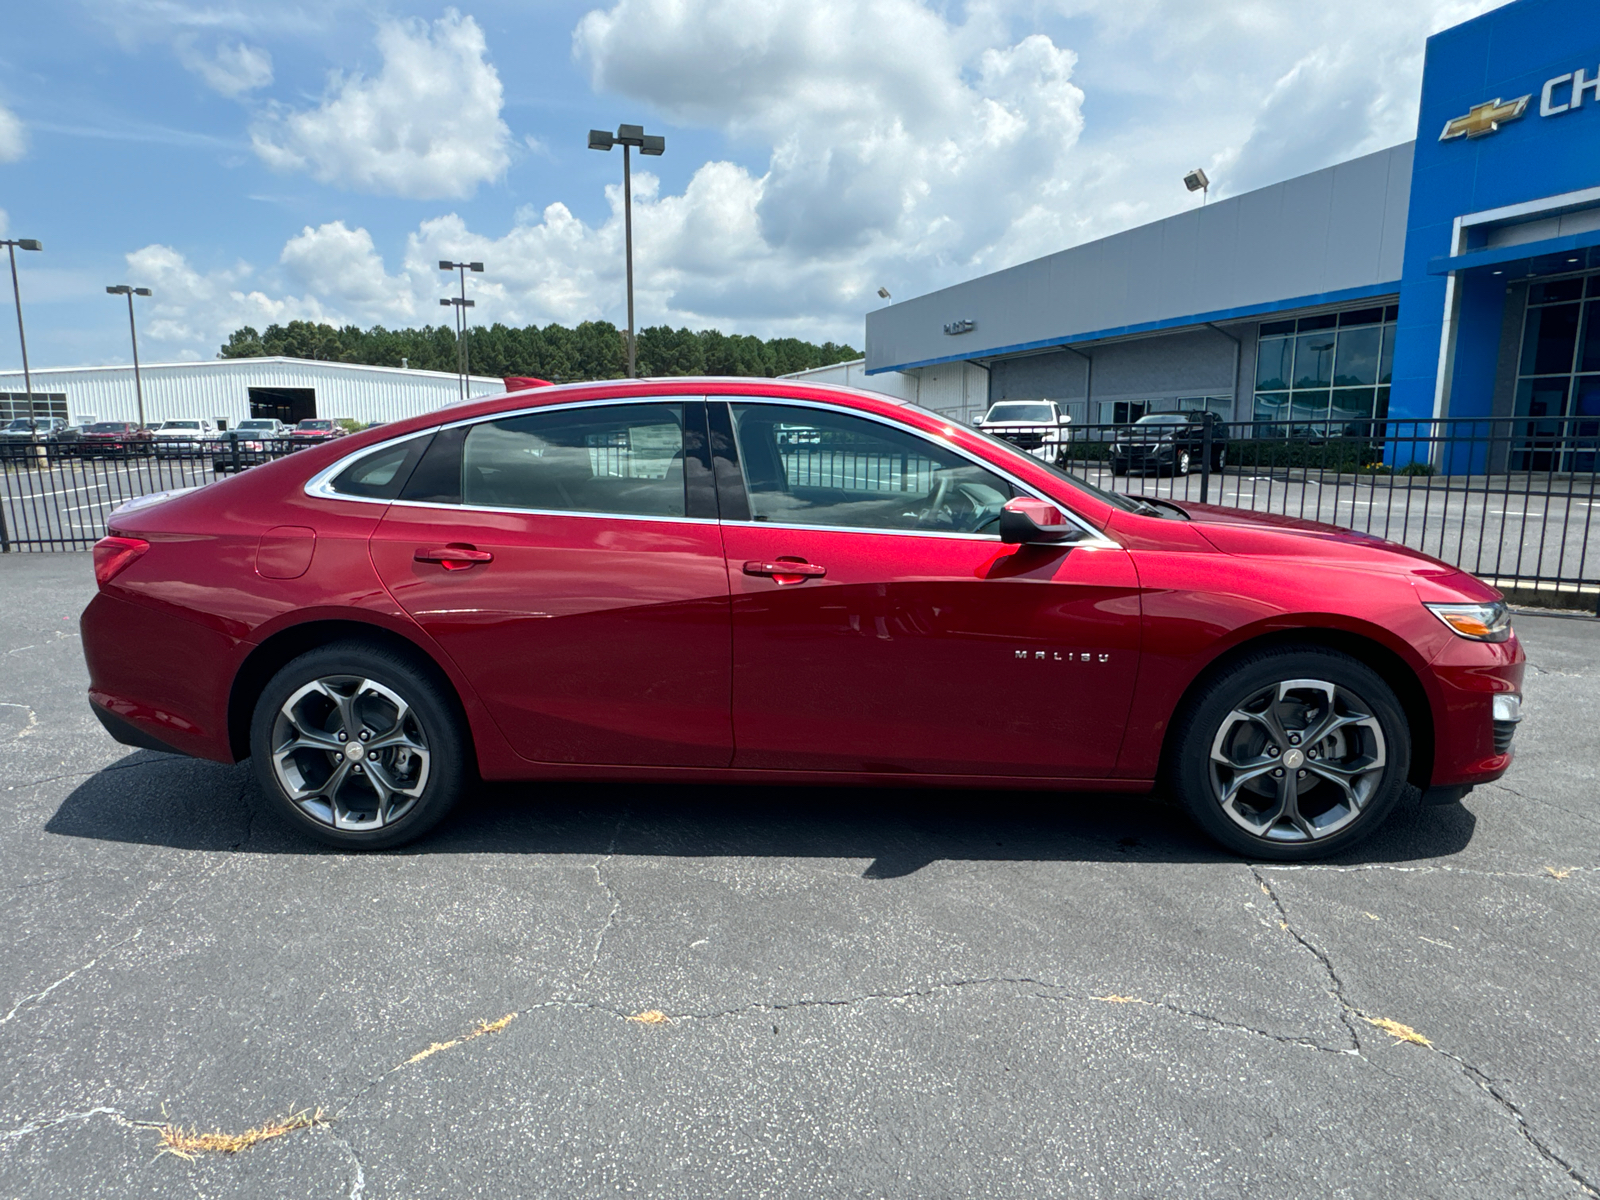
x,y
765,582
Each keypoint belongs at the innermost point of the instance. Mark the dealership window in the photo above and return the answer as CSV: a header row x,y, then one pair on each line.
x,y
45,405
1558,375
1121,412
1328,372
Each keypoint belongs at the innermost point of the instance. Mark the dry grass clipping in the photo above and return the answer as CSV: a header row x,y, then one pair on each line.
x,y
187,1144
477,1031
651,1016
1115,999
1559,874
1402,1033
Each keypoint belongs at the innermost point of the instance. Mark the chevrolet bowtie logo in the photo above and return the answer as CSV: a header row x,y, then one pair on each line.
x,y
1484,119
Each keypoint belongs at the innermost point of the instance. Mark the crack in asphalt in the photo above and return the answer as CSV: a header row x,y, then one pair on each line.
x,y
616,900
1336,990
1476,1074
358,1182
31,1000
83,1117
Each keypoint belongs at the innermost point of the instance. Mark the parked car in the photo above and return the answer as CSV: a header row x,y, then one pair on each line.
x,y
783,584
65,441
1170,442
249,443
22,434
115,439
313,430
1037,426
184,438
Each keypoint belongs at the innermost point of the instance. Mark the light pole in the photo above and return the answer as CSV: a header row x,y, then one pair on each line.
x,y
123,289
12,245
461,305
628,136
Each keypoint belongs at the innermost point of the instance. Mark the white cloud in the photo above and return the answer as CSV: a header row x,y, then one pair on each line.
x,y
883,142
13,137
193,312
427,126
343,266
232,69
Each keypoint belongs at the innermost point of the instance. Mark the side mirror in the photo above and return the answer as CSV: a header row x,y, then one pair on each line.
x,y
1028,522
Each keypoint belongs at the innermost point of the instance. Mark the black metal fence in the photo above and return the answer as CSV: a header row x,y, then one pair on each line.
x,y
58,495
1510,499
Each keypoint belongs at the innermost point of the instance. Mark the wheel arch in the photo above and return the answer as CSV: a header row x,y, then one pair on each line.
x,y
1400,675
285,645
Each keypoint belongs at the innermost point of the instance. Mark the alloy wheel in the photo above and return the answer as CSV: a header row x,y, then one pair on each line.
x,y
1297,761
350,753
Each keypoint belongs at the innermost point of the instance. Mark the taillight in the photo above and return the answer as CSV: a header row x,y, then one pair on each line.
x,y
113,555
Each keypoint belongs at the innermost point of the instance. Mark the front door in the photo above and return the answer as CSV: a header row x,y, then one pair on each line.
x,y
568,561
879,624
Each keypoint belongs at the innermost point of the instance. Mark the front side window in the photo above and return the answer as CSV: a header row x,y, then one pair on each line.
x,y
625,459
809,466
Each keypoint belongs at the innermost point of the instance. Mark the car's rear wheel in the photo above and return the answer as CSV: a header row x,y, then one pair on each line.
x,y
1219,459
357,746
1292,754
1180,463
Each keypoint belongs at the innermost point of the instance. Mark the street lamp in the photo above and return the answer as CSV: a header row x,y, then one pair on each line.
x,y
123,289
1196,181
12,245
461,305
628,136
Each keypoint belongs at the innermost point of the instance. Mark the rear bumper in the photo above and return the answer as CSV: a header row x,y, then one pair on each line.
x,y
128,733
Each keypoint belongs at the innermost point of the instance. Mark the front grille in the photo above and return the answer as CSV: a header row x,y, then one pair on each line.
x,y
1504,731
1027,441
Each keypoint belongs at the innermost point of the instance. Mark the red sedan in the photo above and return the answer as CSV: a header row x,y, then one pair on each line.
x,y
762,581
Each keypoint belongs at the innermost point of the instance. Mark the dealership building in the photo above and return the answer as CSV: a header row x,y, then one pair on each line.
x,y
231,389
1454,276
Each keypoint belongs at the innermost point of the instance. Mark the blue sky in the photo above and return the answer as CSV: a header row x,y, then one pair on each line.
x,y
259,162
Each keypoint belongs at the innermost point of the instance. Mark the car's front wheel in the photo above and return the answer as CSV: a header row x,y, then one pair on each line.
x,y
357,746
1292,754
1180,463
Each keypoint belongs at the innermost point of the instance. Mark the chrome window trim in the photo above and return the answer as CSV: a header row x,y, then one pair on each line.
x,y
320,485
1095,537
317,486
551,512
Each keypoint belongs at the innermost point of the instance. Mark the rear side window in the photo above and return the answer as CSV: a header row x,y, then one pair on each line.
x,y
381,474
809,466
625,459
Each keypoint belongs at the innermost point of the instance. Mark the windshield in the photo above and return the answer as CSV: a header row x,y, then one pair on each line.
x,y
108,427
20,423
315,425
1037,414
1166,419
181,425
256,424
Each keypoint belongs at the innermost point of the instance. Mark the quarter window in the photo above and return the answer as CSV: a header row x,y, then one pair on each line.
x,y
625,459
808,466
381,474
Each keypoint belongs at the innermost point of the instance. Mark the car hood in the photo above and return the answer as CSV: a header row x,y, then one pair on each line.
x,y
1248,534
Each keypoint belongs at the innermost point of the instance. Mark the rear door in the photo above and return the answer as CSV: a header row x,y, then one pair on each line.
x,y
879,625
568,560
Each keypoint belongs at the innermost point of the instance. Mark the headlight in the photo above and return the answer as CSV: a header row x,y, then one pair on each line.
x,y
1508,707
1475,622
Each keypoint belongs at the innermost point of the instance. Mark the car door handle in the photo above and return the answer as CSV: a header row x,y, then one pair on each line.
x,y
785,572
453,558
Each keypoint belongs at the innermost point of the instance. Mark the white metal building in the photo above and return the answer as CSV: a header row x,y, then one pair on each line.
x,y
231,389
958,390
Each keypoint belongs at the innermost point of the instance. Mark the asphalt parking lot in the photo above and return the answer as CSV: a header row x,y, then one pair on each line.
x,y
844,993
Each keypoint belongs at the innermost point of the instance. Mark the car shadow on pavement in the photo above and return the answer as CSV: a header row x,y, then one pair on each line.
x,y
166,800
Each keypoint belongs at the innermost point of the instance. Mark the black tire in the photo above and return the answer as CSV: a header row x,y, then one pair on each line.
x,y
1119,466
423,748
1219,459
1246,807
1180,463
